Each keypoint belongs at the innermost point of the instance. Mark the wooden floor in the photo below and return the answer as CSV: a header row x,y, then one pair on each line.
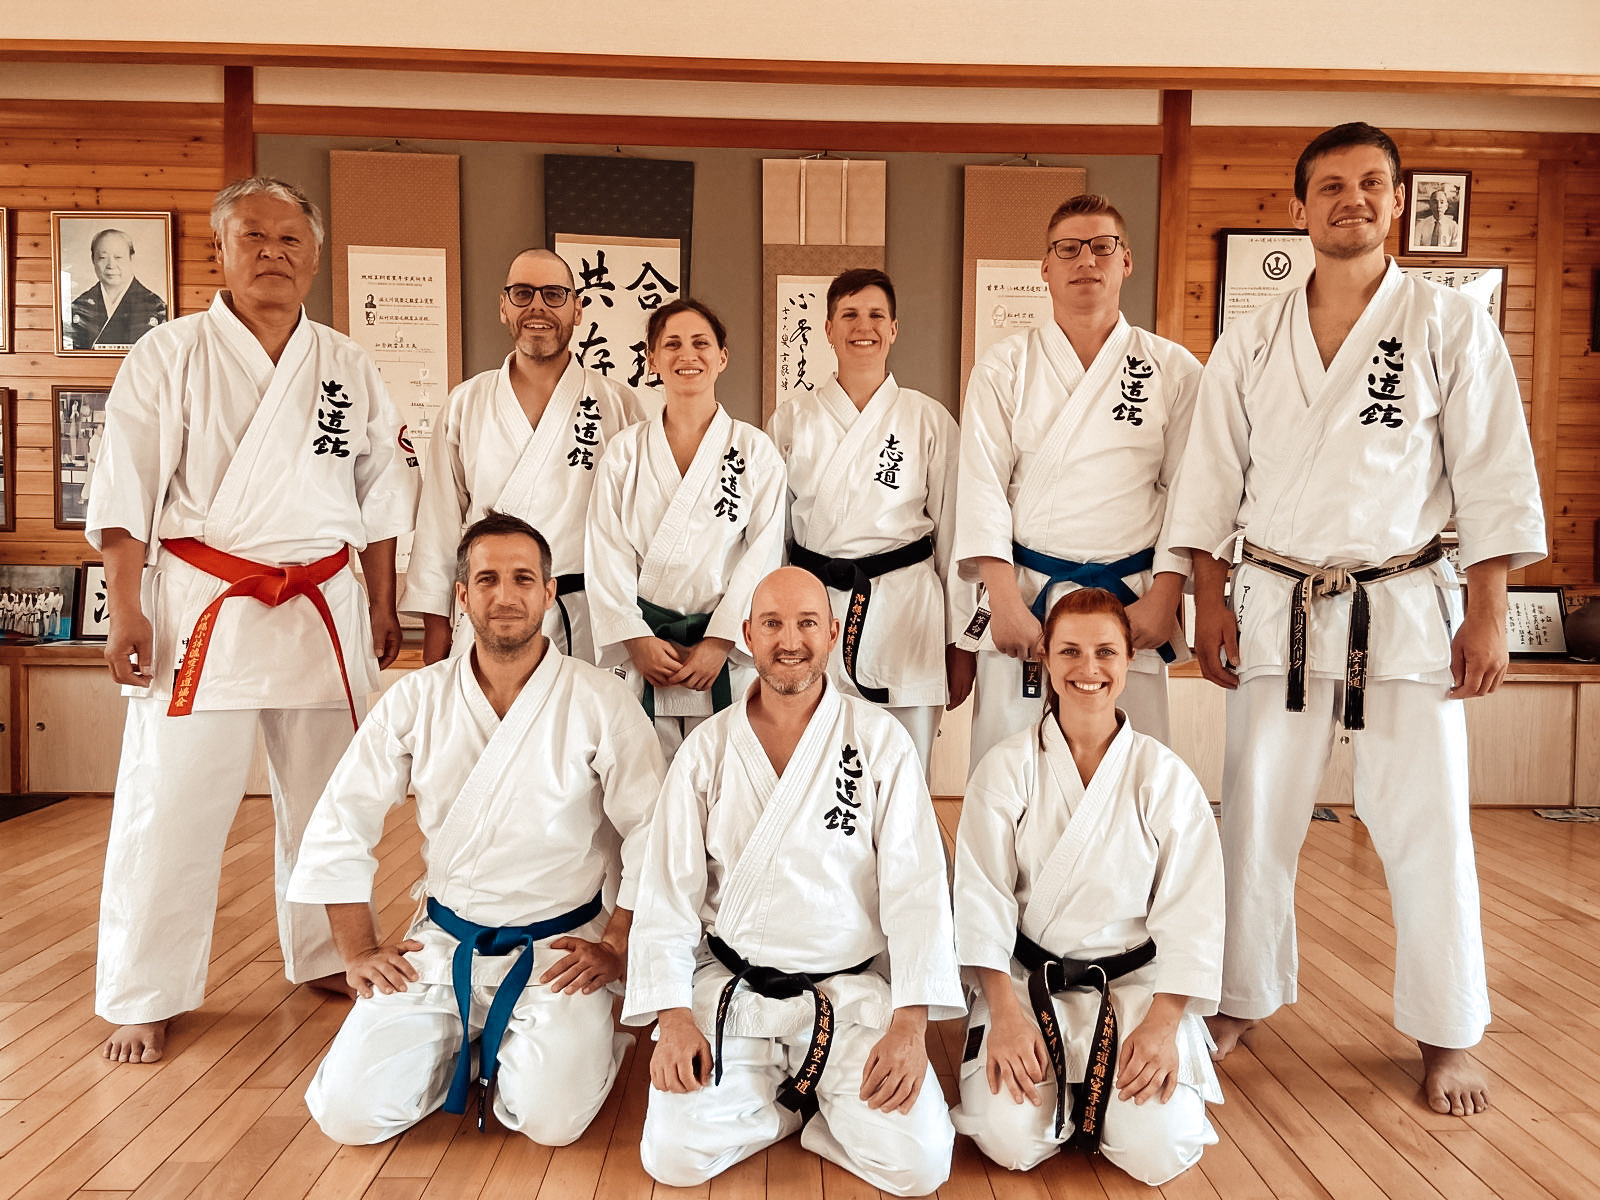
x,y
1323,1102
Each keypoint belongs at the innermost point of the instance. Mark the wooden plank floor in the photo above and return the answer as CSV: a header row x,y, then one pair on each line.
x,y
1323,1102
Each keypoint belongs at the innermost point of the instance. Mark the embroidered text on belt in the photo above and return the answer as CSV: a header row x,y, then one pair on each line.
x,y
798,1093
1311,581
272,586
566,585
1049,974
474,939
855,575
686,629
1090,575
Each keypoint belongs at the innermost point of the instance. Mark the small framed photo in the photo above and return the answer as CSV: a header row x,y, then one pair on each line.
x,y
5,282
8,459
1436,212
91,619
114,279
1482,282
1533,622
36,603
80,418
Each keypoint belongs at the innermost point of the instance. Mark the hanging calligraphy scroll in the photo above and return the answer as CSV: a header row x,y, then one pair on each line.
x,y
621,281
820,216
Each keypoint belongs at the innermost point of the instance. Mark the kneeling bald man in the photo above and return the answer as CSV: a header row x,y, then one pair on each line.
x,y
797,844
535,775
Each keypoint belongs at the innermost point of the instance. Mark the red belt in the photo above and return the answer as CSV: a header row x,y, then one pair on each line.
x,y
272,586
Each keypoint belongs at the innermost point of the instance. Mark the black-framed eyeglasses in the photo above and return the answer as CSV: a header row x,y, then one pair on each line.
x,y
1070,248
521,294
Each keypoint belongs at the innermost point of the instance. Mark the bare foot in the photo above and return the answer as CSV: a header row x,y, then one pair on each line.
x,y
335,983
1226,1032
137,1043
1452,1082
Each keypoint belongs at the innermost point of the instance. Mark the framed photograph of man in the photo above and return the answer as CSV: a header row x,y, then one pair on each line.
x,y
8,460
80,417
1436,212
114,279
37,603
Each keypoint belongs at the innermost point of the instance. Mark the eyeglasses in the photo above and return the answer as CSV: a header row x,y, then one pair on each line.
x,y
1070,248
521,294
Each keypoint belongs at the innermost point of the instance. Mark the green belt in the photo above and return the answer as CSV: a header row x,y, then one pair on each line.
x,y
685,630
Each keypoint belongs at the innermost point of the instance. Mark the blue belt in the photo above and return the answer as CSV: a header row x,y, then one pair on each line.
x,y
477,939
1097,575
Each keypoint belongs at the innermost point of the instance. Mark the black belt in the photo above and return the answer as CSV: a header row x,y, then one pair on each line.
x,y
855,575
565,586
1330,581
798,1093
1049,974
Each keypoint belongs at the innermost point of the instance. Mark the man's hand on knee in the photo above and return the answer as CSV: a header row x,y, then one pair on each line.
x,y
681,1061
382,969
587,967
898,1063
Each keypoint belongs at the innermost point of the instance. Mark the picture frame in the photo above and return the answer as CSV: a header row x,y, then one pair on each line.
x,y
1534,616
128,254
91,619
5,281
80,416
8,460
1422,230
1484,282
36,602
1255,266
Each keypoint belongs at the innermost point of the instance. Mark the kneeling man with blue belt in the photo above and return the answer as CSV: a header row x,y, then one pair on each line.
x,y
535,776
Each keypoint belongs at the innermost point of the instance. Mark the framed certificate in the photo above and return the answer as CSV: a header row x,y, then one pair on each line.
x,y
1485,283
1533,622
1257,265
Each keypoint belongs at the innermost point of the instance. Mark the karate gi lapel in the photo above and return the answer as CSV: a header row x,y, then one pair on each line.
x,y
283,388
1051,366
783,799
466,820
1059,778
672,547
851,464
533,466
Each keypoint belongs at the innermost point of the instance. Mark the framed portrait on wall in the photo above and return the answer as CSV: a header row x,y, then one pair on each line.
x,y
91,620
113,279
80,418
5,283
8,460
1435,219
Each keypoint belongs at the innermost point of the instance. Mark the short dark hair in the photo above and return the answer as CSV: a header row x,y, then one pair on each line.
x,y
659,318
858,279
1342,137
1087,204
494,524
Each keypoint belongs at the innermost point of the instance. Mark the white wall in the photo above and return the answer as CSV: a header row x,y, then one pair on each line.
x,y
1545,37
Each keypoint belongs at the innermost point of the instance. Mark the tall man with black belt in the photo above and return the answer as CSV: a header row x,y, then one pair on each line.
x,y
246,450
1340,428
872,503
525,439
1070,439
795,841
534,776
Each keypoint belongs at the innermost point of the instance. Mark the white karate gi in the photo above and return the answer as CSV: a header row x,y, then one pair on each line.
x,y
1087,872
1349,466
870,481
205,438
485,455
1075,463
521,818
792,877
695,543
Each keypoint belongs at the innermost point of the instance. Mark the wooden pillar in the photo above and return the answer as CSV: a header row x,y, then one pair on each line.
x,y
1177,153
238,123
1545,403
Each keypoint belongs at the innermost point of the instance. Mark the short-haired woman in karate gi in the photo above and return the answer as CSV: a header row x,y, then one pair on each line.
x,y
1088,859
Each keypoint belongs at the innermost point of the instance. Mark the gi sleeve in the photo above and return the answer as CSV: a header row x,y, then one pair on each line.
x,y
763,540
986,912
610,560
629,764
1204,501
987,459
1186,903
913,895
1185,385
441,516
944,465
337,859
1487,454
387,477
135,461
666,932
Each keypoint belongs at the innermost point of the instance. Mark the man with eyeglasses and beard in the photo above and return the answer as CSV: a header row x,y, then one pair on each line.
x,y
523,439
1070,437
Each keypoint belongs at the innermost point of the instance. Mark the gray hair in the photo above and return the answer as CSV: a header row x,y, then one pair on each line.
x,y
94,242
264,185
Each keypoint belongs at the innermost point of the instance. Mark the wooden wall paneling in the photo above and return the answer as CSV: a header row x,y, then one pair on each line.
x,y
1176,150
1577,449
79,155
1543,424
